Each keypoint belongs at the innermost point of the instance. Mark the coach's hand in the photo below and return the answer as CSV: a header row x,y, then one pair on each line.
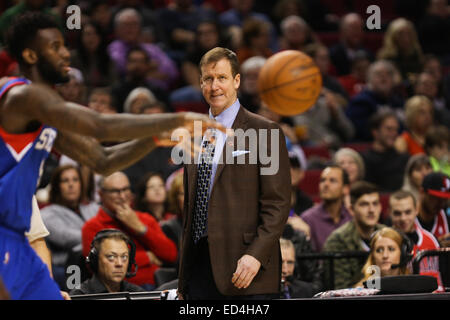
x,y
247,268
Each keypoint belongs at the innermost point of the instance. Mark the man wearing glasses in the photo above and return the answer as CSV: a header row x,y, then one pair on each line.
x,y
109,259
153,248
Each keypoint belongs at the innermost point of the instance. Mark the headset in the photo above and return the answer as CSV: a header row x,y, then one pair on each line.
x,y
406,249
92,258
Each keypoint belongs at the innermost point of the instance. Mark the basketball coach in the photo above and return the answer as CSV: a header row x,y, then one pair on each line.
x,y
234,209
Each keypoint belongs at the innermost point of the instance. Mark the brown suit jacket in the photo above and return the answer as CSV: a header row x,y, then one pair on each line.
x,y
246,214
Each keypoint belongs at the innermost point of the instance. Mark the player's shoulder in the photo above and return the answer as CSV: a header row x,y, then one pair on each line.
x,y
13,87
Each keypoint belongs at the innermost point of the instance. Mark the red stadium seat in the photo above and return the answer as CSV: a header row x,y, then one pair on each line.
x,y
359,147
310,183
321,152
384,199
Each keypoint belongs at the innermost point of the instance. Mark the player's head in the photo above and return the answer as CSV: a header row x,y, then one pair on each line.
x,y
34,40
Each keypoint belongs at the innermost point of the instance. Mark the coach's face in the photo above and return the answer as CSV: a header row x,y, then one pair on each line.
x,y
219,87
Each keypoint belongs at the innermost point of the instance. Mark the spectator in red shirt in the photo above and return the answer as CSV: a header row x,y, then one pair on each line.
x,y
153,248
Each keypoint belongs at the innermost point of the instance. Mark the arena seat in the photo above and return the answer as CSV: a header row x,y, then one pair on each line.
x,y
319,151
384,199
310,183
357,146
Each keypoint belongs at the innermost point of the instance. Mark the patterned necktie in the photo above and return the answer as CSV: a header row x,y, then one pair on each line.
x,y
203,182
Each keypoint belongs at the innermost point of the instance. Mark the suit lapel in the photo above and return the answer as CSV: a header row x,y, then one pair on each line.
x,y
239,123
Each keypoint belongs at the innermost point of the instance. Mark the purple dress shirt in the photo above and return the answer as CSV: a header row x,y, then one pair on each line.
x,y
322,224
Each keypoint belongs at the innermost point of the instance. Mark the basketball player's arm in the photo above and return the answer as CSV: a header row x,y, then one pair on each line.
x,y
4,294
36,102
36,235
103,160
41,249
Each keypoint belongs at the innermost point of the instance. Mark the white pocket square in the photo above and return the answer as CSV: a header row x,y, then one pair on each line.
x,y
239,152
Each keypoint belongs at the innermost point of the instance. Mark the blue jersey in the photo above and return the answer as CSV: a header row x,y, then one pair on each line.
x,y
22,158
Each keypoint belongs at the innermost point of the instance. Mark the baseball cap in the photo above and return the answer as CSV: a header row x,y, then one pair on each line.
x,y
437,184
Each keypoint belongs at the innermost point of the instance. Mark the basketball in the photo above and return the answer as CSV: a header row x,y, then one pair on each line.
x,y
289,82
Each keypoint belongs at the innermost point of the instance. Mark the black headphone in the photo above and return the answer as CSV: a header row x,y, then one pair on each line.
x,y
92,258
406,249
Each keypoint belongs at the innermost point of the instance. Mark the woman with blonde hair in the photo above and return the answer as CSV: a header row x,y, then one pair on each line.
x,y
401,46
386,255
418,119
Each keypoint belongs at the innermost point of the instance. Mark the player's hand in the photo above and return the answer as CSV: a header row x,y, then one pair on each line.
x,y
247,268
189,121
65,295
189,135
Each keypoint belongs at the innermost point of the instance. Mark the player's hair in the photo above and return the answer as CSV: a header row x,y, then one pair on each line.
x,y
219,53
23,31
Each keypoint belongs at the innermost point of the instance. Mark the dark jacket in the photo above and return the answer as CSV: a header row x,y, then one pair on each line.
x,y
94,285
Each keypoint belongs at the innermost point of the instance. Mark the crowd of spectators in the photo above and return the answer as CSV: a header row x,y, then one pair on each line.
x,y
381,122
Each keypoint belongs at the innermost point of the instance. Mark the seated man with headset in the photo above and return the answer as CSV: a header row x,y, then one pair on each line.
x,y
111,259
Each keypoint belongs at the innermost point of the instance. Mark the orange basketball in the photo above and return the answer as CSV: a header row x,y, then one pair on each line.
x,y
289,82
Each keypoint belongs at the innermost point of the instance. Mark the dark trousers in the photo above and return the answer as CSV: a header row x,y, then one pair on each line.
x,y
201,285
